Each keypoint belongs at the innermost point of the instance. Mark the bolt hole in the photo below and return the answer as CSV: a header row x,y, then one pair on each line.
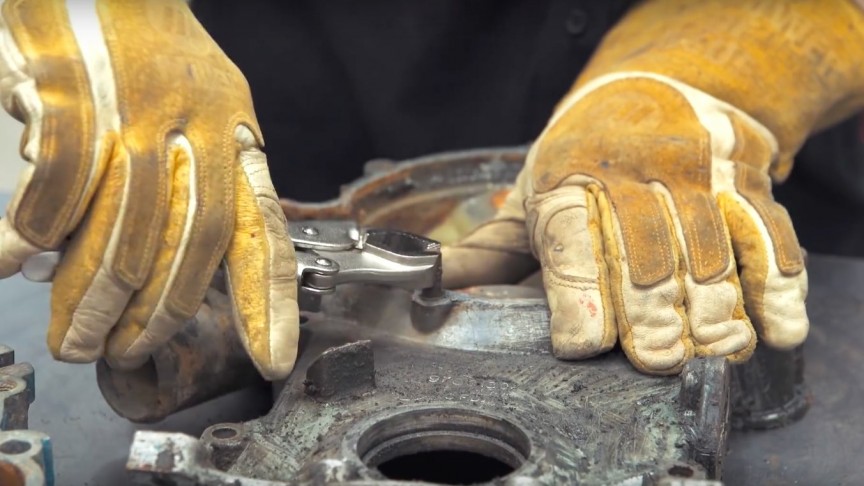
x,y
224,433
444,446
681,472
14,447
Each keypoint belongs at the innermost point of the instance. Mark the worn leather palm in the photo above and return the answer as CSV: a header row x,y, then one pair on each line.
x,y
647,199
146,165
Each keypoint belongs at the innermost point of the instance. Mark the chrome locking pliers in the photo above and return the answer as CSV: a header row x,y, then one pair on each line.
x,y
330,253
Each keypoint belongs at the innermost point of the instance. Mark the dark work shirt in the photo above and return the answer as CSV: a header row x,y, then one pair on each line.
x,y
339,82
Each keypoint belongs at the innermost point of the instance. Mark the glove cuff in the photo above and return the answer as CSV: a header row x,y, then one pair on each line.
x,y
714,114
794,66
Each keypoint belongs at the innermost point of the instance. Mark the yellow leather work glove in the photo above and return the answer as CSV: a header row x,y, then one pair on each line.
x,y
647,199
145,155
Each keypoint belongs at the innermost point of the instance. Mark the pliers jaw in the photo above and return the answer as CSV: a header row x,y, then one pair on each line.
x,y
332,252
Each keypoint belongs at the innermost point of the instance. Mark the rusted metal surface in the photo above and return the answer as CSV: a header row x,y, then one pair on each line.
x,y
470,322
203,361
17,390
343,370
25,456
466,372
821,448
548,421
417,195
705,397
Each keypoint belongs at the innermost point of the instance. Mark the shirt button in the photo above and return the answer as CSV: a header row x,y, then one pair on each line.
x,y
576,22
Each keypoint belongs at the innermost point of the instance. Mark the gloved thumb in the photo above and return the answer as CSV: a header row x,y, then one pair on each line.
x,y
496,252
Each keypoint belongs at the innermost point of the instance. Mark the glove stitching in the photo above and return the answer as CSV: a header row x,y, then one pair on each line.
x,y
710,251
694,235
162,191
228,195
628,236
47,151
256,171
580,283
203,202
550,213
782,258
121,265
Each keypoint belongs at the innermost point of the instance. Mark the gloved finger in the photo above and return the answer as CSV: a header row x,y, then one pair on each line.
x,y
147,322
261,268
719,326
60,139
771,267
568,241
496,252
466,265
87,296
14,249
192,245
645,276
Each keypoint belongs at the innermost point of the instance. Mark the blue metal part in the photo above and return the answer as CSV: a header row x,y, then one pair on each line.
x,y
28,452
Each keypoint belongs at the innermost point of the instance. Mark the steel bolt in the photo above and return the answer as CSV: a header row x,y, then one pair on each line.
x,y
310,231
323,262
354,234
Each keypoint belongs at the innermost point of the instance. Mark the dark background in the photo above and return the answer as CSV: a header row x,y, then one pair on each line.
x,y
340,82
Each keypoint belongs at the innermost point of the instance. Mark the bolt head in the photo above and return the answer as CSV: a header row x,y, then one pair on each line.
x,y
310,231
323,262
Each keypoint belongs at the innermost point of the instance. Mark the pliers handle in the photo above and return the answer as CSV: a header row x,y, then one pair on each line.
x,y
330,253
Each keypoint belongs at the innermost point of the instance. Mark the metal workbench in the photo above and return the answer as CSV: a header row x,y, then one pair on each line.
x,y
91,443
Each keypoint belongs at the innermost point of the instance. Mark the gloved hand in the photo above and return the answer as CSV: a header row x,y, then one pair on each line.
x,y
146,163
647,199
